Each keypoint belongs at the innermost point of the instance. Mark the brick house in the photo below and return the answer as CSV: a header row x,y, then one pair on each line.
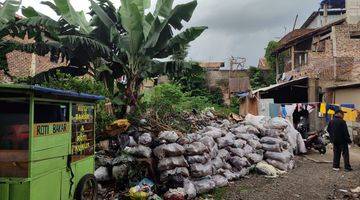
x,y
22,64
329,54
230,81
321,61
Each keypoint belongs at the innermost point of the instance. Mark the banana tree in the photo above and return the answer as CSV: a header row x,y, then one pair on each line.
x,y
7,18
148,39
66,39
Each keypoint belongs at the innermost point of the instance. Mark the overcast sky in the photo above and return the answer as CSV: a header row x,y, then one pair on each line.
x,y
236,27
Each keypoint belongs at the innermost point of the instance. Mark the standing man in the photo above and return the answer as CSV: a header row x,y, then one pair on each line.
x,y
340,138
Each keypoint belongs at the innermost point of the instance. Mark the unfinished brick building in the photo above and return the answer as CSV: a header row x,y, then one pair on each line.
x,y
321,62
328,54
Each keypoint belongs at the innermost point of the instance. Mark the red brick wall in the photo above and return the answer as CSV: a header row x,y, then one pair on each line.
x,y
19,63
340,64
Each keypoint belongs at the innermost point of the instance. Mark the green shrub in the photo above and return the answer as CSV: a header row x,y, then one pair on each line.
x,y
84,85
169,98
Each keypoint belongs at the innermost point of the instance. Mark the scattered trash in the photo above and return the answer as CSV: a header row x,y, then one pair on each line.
x,y
356,190
218,152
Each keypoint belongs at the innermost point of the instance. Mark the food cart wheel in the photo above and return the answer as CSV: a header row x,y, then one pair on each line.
x,y
87,188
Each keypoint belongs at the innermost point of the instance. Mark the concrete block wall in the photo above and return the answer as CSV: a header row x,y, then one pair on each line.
x,y
353,11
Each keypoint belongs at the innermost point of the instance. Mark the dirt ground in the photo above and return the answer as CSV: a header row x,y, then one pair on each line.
x,y
313,178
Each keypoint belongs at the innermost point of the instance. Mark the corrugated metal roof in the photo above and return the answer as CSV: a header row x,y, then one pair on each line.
x,y
271,87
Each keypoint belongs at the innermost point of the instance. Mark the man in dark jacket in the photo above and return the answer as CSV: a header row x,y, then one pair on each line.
x,y
340,138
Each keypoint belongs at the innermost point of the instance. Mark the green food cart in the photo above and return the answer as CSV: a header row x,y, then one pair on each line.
x,y
46,144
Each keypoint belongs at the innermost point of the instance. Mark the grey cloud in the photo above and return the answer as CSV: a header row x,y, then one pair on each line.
x,y
236,27
244,27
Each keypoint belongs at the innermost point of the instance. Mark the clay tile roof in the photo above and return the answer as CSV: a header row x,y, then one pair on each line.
x,y
294,34
212,65
300,35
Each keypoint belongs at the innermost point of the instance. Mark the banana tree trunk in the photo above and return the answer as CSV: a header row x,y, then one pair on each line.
x,y
132,94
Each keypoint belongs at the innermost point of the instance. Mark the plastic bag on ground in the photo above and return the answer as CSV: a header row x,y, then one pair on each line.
x,y
212,128
295,139
214,151
239,143
145,139
204,185
208,141
194,137
183,171
190,189
169,150
291,165
271,147
266,169
301,148
236,151
120,171
225,141
239,163
123,158
199,170
247,136
102,174
220,181
248,149
213,133
172,162
254,158
274,133
135,193
175,194
132,142
139,151
255,144
217,163
270,140
280,165
283,157
168,136
231,176
196,148
224,154
276,123
243,129
257,121
198,159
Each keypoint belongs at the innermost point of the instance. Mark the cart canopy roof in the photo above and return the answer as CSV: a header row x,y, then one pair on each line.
x,y
50,92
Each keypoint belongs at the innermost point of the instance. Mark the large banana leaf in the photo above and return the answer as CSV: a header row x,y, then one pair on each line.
x,y
173,17
163,8
7,12
187,36
182,12
183,38
108,22
132,20
142,5
86,43
72,17
52,6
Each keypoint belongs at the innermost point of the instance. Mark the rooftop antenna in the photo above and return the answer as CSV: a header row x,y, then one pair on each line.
x,y
239,64
295,22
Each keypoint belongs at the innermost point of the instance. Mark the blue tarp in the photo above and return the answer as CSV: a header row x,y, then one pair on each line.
x,y
334,3
242,95
51,91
